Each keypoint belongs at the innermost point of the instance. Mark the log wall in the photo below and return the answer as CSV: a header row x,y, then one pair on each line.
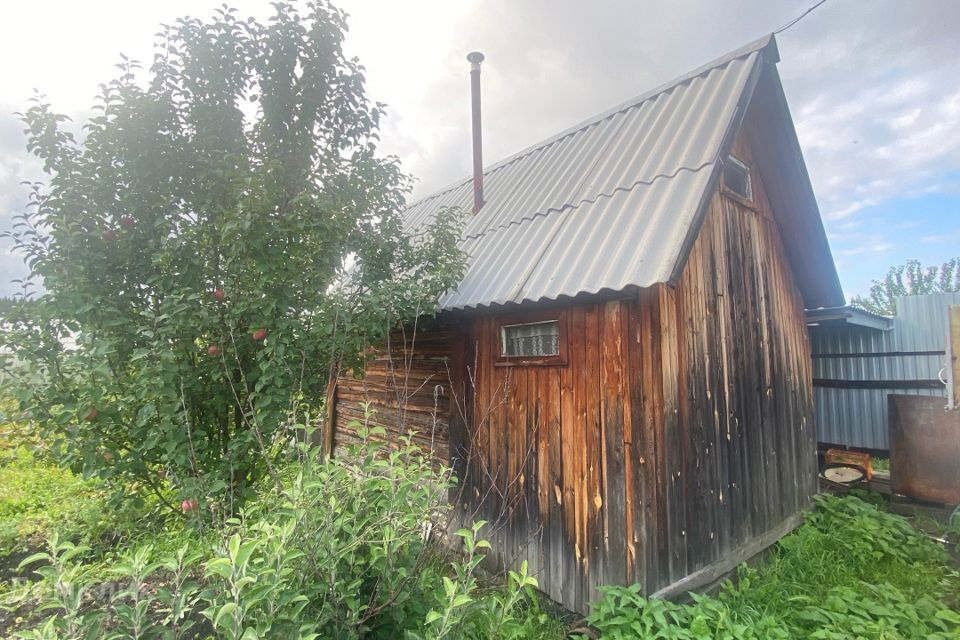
x,y
405,388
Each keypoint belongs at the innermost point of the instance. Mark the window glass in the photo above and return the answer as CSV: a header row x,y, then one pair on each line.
x,y
736,177
533,339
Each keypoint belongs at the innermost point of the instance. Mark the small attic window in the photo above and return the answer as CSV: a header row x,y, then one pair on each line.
x,y
736,178
534,339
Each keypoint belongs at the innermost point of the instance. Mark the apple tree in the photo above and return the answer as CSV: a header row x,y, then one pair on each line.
x,y
218,239
909,279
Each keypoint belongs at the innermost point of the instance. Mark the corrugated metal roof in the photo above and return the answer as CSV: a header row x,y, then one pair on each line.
x,y
604,205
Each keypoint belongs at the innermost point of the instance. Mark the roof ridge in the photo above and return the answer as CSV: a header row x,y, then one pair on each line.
x,y
756,45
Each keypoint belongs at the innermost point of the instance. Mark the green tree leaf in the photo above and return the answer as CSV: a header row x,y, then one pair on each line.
x,y
909,279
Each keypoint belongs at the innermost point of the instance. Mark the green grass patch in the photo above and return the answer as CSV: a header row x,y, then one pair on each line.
x,y
38,497
851,571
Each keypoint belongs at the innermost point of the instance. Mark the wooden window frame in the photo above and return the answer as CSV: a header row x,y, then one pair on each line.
x,y
730,192
557,315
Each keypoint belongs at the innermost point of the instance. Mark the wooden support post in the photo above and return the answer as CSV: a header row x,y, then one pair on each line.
x,y
953,351
331,418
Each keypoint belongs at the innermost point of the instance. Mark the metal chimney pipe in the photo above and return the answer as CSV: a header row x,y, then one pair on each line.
x,y
475,58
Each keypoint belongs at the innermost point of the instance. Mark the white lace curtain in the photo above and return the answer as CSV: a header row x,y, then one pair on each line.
x,y
536,339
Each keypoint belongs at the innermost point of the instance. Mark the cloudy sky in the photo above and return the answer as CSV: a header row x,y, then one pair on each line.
x,y
873,85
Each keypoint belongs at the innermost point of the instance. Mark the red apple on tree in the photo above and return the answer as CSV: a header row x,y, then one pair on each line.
x,y
126,221
213,350
91,415
107,455
188,505
259,335
109,235
219,295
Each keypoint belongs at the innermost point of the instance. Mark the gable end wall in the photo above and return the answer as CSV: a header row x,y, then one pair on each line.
x,y
739,446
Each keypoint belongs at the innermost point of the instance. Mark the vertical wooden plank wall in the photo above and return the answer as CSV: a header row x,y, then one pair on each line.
x,y
555,451
748,460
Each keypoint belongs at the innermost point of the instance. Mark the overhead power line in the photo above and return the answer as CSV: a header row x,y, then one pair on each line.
x,y
800,17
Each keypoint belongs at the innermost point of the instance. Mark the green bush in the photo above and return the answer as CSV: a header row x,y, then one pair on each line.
x,y
851,571
623,613
339,549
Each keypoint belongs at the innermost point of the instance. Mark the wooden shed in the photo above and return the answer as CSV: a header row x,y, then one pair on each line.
x,y
622,381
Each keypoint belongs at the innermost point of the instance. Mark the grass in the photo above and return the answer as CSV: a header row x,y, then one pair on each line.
x,y
38,496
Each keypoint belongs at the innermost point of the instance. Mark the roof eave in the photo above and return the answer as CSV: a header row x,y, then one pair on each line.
x,y
784,173
848,316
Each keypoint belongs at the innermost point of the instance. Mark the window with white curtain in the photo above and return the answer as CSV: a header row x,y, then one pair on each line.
x,y
530,339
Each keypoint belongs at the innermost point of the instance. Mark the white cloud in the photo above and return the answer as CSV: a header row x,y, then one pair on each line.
x,y
850,209
875,247
942,238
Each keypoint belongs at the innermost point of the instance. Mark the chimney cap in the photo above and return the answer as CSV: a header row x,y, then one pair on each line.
x,y
475,57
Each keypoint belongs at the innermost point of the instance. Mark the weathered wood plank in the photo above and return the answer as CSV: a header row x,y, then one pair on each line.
x,y
529,522
660,441
555,548
696,402
570,476
576,448
593,438
512,457
633,451
729,509
541,401
673,458
614,426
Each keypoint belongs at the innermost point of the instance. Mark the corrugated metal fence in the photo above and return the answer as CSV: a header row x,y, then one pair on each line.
x,y
856,367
